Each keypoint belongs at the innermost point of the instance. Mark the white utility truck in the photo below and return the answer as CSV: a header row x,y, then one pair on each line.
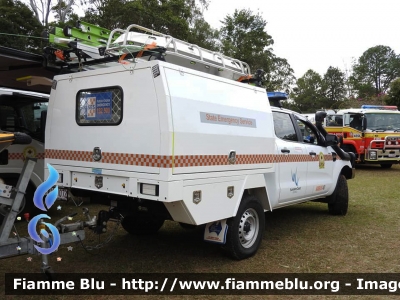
x,y
172,132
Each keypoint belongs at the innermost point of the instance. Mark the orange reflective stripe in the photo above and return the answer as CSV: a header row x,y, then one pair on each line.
x,y
180,161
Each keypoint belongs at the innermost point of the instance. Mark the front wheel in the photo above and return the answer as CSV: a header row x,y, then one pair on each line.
x,y
246,229
142,224
338,202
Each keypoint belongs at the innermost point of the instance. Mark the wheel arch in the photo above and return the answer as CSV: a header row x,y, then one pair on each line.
x,y
261,194
256,185
350,144
347,172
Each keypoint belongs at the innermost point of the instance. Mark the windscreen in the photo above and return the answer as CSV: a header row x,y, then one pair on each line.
x,y
22,116
380,121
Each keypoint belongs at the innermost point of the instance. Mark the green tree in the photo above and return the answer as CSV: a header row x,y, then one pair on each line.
x,y
203,35
309,93
393,96
173,17
63,10
23,30
279,75
243,37
376,68
334,86
43,8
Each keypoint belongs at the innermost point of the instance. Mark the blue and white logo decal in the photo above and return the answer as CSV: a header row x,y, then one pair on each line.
x,y
38,201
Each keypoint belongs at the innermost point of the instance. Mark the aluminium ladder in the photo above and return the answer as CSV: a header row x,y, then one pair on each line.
x,y
99,46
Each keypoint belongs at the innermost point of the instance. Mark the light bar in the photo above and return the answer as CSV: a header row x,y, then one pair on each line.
x,y
277,96
383,107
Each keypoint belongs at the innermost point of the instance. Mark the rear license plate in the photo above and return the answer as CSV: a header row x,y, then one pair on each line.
x,y
62,194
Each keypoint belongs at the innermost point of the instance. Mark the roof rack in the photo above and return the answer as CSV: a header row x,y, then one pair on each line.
x,y
96,45
176,51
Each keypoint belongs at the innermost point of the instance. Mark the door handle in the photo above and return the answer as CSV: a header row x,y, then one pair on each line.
x,y
285,150
312,153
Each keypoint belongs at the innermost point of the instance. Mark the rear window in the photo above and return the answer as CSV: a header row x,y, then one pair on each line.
x,y
99,106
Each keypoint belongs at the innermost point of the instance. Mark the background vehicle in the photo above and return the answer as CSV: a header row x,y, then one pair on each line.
x,y
22,111
371,132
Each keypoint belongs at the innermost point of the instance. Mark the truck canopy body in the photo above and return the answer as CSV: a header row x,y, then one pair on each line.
x,y
168,126
120,129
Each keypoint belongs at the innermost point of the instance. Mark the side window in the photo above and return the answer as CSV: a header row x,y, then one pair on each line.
x,y
8,118
284,127
25,118
356,121
334,120
307,133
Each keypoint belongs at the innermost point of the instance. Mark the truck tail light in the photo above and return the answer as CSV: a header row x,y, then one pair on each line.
x,y
149,189
60,178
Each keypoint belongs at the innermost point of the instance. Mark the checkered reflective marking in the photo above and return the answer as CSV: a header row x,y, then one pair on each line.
x,y
180,161
16,156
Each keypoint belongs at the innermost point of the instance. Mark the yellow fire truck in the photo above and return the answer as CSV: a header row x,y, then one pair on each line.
x,y
372,132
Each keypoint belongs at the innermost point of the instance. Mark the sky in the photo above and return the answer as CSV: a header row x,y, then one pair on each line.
x,y
317,34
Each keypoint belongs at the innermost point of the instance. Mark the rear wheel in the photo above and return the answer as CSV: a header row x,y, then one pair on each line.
x,y
338,202
246,229
142,224
187,226
386,166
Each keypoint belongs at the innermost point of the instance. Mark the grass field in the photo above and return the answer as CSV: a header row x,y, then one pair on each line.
x,y
298,239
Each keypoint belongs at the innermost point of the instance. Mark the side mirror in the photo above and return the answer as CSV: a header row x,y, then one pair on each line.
x,y
331,140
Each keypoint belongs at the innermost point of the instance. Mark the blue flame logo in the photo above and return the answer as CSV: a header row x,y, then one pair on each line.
x,y
295,179
38,201
33,234
44,187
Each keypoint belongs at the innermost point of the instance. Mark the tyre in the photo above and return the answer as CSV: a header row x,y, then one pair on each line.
x,y
187,226
246,229
338,202
142,224
386,166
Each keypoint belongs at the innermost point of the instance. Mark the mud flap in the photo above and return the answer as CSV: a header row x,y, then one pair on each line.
x,y
215,232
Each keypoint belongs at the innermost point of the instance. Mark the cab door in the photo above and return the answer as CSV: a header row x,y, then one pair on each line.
x,y
319,161
291,159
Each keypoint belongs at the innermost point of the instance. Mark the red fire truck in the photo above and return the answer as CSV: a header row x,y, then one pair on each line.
x,y
372,132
